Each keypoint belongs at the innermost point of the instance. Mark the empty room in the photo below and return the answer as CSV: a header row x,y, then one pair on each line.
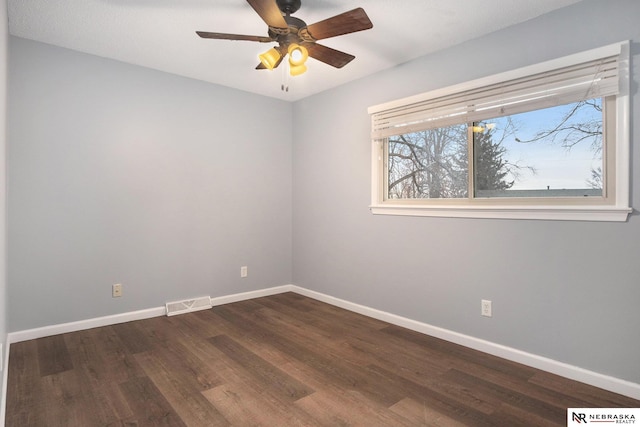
x,y
319,212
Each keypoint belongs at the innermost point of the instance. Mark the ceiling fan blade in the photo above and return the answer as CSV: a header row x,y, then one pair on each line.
x,y
269,12
345,23
225,36
330,56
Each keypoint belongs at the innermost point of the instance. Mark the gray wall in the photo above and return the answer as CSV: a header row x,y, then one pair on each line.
x,y
168,185
4,37
565,290
120,174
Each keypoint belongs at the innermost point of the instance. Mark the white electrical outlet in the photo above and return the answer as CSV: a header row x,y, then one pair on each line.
x,y
485,309
244,271
116,290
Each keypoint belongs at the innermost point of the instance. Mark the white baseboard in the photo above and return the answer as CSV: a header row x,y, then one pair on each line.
x,y
606,382
63,328
80,325
252,294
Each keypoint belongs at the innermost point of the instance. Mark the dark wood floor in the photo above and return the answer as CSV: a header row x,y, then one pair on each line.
x,y
283,360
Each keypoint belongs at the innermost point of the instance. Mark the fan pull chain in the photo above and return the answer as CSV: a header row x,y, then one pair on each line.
x,y
285,77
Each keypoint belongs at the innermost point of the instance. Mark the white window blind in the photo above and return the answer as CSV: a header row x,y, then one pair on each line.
x,y
591,75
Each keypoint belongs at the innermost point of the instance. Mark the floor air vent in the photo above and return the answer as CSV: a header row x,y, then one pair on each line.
x,y
188,305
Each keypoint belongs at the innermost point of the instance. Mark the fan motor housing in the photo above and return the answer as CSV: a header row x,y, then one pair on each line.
x,y
288,6
290,36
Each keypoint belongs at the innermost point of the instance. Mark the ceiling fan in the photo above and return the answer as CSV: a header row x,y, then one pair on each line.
x,y
296,38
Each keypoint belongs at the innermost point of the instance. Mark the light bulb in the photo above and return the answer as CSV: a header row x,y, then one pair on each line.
x,y
297,54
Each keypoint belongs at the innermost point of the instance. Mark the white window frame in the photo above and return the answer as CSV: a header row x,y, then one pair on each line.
x,y
615,207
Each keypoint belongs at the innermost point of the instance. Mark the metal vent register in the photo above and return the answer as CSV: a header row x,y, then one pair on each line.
x,y
187,306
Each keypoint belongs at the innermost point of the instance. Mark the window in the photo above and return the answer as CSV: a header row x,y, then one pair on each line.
x,y
550,141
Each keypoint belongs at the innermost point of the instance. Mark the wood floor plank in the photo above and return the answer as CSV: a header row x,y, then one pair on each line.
x,y
179,358
132,336
419,414
281,360
339,337
119,364
441,361
24,406
460,353
592,396
261,371
335,370
197,326
521,385
464,407
71,402
362,378
498,394
330,318
244,406
241,400
512,416
375,414
149,404
53,356
97,377
392,360
180,392
348,408
110,403
86,352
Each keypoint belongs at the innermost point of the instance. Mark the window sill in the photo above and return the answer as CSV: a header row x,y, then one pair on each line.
x,y
556,213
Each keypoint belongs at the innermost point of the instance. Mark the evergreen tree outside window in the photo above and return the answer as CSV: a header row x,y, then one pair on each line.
x,y
490,168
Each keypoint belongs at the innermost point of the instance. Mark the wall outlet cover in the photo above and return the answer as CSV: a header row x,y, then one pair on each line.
x,y
116,290
485,309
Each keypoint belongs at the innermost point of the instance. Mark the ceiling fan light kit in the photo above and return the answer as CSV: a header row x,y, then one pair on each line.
x,y
297,39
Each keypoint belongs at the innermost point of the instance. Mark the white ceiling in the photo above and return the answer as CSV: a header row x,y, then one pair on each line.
x,y
160,34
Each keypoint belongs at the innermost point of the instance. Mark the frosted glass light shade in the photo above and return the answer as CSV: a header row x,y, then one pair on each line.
x,y
296,70
270,58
